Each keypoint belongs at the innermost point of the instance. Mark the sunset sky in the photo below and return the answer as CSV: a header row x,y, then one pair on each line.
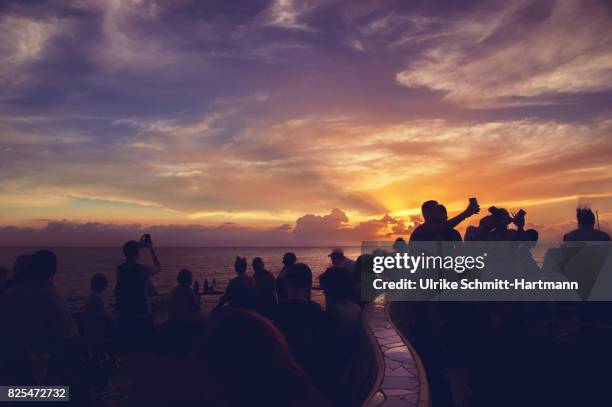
x,y
306,122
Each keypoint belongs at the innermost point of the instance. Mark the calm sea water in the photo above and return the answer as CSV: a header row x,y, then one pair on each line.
x,y
78,264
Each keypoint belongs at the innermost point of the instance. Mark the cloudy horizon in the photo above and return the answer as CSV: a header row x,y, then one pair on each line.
x,y
308,122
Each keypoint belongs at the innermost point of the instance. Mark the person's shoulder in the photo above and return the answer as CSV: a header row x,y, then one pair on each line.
x,y
94,297
419,231
419,228
603,236
573,235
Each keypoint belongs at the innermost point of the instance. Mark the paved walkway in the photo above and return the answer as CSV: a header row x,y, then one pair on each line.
x,y
402,381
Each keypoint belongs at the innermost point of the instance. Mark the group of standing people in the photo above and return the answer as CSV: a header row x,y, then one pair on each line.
x,y
306,346
321,340
496,226
263,326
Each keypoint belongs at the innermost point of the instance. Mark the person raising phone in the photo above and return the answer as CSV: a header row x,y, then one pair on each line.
x,y
437,225
131,291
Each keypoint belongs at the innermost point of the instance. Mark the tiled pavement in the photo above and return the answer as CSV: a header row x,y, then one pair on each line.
x,y
403,382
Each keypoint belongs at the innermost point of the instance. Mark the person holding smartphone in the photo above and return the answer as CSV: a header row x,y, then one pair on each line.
x,y
131,292
437,225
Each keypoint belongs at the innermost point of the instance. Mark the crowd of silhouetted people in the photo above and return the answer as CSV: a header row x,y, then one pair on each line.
x,y
264,329
266,342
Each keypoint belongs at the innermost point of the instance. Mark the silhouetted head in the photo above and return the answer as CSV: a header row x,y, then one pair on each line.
x,y
131,250
240,265
585,218
43,265
185,277
98,283
289,259
244,348
337,255
532,235
299,281
431,212
400,245
21,265
258,265
487,223
501,216
4,272
337,284
443,212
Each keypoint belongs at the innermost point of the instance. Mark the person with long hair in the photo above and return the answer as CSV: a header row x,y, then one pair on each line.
x,y
246,361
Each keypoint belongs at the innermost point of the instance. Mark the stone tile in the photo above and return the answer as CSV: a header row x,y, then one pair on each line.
x,y
396,392
411,370
395,402
394,344
399,383
392,364
411,397
384,333
388,340
377,399
400,354
410,365
399,372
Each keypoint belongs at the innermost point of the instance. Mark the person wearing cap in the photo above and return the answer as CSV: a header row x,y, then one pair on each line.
x,y
339,260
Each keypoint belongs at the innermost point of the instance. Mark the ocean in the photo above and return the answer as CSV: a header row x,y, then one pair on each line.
x,y
78,264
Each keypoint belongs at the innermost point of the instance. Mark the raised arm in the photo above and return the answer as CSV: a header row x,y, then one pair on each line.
x,y
148,243
472,209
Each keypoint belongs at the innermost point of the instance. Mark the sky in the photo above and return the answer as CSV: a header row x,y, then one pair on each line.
x,y
297,122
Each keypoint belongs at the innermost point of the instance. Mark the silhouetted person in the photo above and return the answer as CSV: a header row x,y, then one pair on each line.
x,y
20,270
400,246
184,302
34,319
248,363
265,285
337,285
95,316
132,292
586,231
528,263
206,286
306,328
4,276
345,319
480,232
502,221
451,234
362,265
240,292
289,259
338,259
436,226
213,285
